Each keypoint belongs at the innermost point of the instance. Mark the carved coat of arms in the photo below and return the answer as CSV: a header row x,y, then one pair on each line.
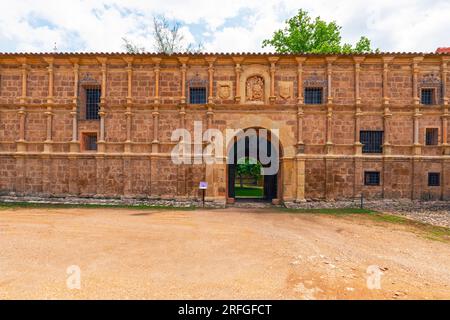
x,y
224,91
255,89
285,89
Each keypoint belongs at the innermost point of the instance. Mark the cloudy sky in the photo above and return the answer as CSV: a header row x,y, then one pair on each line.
x,y
225,26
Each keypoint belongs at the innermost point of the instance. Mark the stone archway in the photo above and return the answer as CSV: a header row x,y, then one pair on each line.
x,y
271,179
272,188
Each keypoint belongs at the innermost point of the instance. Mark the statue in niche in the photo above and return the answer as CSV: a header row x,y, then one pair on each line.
x,y
255,89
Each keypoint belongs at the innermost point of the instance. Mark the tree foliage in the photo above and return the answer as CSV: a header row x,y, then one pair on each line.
x,y
305,35
248,168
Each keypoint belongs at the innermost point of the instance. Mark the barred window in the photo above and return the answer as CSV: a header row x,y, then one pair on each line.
x,y
92,103
427,96
197,95
431,136
434,179
313,95
372,141
90,141
372,178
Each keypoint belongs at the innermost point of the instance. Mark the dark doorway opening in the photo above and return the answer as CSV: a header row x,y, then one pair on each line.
x,y
265,187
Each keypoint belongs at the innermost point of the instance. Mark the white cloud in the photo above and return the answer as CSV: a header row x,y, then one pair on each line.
x,y
84,25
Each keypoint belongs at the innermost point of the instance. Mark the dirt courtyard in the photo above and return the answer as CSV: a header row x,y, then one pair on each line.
x,y
215,254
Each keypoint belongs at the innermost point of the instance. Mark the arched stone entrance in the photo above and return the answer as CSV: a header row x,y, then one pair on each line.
x,y
255,149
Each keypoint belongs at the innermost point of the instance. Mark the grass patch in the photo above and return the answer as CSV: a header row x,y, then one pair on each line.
x,y
32,205
249,192
429,231
333,211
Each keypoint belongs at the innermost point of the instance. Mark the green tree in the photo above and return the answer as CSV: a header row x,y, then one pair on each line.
x,y
305,35
247,168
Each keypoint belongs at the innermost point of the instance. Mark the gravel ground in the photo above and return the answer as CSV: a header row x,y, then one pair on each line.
x,y
230,253
432,212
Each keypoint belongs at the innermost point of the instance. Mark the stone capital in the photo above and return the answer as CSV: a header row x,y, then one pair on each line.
x,y
183,60
300,60
358,59
102,60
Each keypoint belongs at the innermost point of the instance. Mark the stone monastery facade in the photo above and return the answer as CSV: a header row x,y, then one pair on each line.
x,y
100,124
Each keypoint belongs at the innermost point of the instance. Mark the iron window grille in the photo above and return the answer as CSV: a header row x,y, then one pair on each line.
x,y
92,103
431,136
197,95
90,142
372,178
434,179
427,96
372,141
313,95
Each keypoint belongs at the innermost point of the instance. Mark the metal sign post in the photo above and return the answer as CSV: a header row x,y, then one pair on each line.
x,y
203,186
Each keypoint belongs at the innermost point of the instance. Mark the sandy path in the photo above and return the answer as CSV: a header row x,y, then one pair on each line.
x,y
219,254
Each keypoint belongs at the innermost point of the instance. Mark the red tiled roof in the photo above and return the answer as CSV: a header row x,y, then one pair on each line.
x,y
15,54
443,50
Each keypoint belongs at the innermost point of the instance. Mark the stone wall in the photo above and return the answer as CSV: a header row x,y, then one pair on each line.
x,y
146,97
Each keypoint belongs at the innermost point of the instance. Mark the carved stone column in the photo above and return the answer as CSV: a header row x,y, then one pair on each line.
x,y
48,140
210,61
417,148
238,70
445,111
23,97
101,147
358,112
387,149
329,121
155,142
157,70
300,113
128,113
300,61
273,61
21,143
74,143
183,68
49,113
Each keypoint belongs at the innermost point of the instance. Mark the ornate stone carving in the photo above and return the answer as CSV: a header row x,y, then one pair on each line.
x,y
285,89
224,90
255,89
430,79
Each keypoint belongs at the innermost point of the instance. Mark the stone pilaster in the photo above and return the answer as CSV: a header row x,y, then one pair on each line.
x,y
74,143
128,112
445,109
183,69
330,61
300,166
300,61
238,71
48,140
155,142
358,145
21,143
387,149
101,143
157,70
300,116
210,61
272,61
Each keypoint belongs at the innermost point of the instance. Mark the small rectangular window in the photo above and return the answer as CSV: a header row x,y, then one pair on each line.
x,y
427,96
372,141
313,95
431,136
197,95
90,141
372,178
434,179
92,103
